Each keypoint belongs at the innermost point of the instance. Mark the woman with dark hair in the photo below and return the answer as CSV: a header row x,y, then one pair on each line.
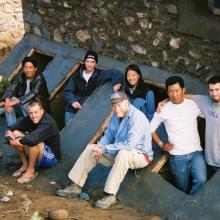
x,y
138,92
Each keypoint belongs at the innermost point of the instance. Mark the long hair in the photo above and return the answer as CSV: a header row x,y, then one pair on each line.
x,y
135,68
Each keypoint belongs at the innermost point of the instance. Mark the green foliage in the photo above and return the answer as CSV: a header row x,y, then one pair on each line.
x,y
36,216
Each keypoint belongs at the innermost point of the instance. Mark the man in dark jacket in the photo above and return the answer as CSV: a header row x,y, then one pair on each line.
x,y
85,81
26,86
38,137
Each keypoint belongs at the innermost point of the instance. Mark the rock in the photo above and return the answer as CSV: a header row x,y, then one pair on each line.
x,y
62,28
10,193
156,42
138,32
130,38
198,66
175,43
172,9
156,12
144,23
98,44
164,55
27,27
103,36
46,33
185,59
159,35
37,31
32,18
103,11
76,24
155,64
47,1
58,214
83,35
150,25
138,49
5,199
67,15
57,36
129,20
66,5
141,14
194,54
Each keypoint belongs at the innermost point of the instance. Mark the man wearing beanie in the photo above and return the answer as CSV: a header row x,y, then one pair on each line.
x,y
85,81
125,145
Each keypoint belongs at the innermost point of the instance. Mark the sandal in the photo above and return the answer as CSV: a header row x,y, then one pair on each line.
x,y
23,179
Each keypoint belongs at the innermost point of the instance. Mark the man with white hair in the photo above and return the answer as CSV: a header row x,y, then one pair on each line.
x,y
125,145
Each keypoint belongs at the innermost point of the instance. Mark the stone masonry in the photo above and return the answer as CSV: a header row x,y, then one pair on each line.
x,y
139,31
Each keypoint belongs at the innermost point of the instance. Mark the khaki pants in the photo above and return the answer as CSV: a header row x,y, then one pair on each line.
x,y
120,164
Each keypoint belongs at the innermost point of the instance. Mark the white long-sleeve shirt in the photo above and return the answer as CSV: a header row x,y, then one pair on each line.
x,y
180,121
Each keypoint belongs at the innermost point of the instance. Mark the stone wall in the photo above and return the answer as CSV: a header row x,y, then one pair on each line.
x,y
11,25
140,31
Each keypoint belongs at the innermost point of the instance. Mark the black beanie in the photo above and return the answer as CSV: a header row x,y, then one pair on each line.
x,y
91,54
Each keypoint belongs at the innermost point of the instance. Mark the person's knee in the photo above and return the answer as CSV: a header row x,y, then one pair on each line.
x,y
122,155
18,133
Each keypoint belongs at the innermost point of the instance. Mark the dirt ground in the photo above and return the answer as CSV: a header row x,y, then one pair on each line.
x,y
29,198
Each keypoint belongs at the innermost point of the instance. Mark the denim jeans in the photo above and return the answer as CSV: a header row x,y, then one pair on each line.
x,y
147,106
20,110
68,116
184,167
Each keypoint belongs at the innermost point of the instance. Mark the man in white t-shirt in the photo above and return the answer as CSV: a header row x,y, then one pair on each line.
x,y
186,158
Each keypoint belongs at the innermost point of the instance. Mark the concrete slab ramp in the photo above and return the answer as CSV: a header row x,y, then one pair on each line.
x,y
76,135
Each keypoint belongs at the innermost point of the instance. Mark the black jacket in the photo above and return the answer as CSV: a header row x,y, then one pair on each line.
x,y
77,89
45,131
139,92
38,88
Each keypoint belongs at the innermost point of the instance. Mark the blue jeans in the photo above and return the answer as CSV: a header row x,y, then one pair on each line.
x,y
68,116
184,167
20,110
147,106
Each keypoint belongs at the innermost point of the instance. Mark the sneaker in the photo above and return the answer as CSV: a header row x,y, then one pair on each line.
x,y
106,202
69,191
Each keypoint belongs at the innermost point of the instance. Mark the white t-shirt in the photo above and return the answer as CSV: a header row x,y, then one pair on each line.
x,y
28,89
86,76
180,121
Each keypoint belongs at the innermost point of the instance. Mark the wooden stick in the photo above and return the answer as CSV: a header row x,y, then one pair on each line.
x,y
160,164
11,211
72,71
100,131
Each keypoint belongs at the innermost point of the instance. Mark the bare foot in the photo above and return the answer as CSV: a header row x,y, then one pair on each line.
x,y
19,172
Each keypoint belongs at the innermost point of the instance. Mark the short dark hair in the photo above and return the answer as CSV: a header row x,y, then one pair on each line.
x,y
173,80
214,80
34,102
31,60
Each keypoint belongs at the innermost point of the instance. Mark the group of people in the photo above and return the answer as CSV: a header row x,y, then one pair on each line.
x,y
127,141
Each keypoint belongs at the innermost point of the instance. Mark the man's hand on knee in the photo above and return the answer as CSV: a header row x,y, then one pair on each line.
x,y
98,151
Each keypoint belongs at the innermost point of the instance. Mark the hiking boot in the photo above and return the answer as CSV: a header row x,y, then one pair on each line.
x,y
69,191
106,202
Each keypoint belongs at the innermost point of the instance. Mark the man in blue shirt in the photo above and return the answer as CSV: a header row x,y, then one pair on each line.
x,y
125,145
